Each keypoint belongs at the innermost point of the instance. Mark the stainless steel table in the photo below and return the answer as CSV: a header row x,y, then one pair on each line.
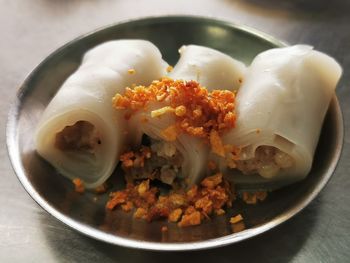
x,y
30,30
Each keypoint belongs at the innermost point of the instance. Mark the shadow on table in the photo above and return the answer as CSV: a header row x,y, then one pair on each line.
x,y
311,9
278,245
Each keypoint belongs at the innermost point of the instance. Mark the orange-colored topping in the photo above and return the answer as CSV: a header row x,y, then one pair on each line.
x,y
219,212
101,189
252,198
123,102
205,204
175,215
140,213
180,110
199,203
212,181
192,193
192,219
232,155
116,199
78,185
249,198
143,188
131,71
233,150
236,219
237,223
128,206
217,146
198,112
170,133
186,208
169,69
135,159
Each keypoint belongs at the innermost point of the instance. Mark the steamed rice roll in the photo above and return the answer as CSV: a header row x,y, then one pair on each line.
x,y
175,154
280,110
80,133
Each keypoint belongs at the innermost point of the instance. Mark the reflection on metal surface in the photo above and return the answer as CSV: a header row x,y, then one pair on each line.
x,y
217,32
86,213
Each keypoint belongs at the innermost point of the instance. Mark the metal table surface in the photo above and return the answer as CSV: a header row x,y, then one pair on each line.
x,y
30,30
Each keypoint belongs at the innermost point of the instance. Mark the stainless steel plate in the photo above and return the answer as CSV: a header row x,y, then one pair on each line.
x,y
86,213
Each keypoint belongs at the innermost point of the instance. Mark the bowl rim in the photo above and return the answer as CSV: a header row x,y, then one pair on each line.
x,y
12,138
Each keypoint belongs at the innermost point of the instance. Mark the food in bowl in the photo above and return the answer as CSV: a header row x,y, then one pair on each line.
x,y
188,126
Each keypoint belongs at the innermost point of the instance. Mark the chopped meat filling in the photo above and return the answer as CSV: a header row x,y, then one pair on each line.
x,y
82,136
160,160
267,162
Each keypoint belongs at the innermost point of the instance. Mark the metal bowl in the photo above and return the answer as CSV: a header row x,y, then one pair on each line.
x,y
86,213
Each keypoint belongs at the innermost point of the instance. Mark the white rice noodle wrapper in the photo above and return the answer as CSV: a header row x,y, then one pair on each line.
x,y
211,68
285,96
87,96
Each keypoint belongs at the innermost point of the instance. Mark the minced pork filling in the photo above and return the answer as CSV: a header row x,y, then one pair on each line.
x,y
267,162
82,136
153,160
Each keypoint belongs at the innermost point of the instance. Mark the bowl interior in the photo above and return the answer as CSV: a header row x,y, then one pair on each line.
x,y
86,213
